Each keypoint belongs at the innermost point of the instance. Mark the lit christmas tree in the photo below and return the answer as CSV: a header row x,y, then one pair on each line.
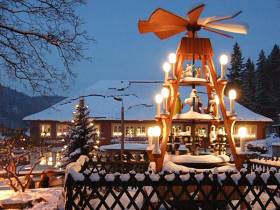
x,y
82,135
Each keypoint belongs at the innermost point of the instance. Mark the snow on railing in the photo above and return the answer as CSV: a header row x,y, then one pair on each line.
x,y
244,176
130,189
264,164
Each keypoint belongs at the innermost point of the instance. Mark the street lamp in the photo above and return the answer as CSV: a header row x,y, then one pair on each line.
x,y
223,62
156,134
117,98
242,132
232,97
158,99
166,68
165,95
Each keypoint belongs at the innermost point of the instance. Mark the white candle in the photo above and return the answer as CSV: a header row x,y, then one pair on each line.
x,y
232,97
158,100
156,150
223,61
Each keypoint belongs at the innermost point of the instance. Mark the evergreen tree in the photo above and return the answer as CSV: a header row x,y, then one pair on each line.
x,y
263,86
82,134
249,85
236,70
274,70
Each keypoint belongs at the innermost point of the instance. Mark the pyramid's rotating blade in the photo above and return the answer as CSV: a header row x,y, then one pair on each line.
x,y
164,17
233,28
195,13
217,32
167,34
216,19
145,27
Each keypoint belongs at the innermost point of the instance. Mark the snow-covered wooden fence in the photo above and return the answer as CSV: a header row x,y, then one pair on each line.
x,y
88,188
264,164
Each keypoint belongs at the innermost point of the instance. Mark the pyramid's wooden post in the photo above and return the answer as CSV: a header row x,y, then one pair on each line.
x,y
228,120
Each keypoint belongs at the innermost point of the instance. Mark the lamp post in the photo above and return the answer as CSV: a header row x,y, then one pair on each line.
x,y
172,60
166,68
156,134
242,132
158,99
232,97
223,62
165,95
122,125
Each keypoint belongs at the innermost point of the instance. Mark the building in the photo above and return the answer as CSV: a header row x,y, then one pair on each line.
x,y
103,98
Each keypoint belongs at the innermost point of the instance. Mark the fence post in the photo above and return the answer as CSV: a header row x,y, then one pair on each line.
x,y
68,192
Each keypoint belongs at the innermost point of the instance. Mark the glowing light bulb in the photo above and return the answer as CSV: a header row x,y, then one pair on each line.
x,y
158,98
156,131
166,67
223,59
172,58
165,92
232,94
242,132
150,131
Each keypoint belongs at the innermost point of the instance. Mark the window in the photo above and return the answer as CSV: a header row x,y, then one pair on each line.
x,y
130,130
45,130
117,130
140,131
251,131
61,129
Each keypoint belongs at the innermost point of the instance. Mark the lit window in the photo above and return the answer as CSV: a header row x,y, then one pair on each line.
x,y
129,131
251,131
61,129
45,130
117,130
140,131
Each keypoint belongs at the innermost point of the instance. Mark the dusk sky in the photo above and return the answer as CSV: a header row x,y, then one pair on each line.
x,y
121,52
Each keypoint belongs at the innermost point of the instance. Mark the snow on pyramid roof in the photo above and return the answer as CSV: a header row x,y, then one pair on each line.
x,y
138,100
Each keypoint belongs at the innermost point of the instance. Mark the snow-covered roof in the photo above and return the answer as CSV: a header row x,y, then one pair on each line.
x,y
138,100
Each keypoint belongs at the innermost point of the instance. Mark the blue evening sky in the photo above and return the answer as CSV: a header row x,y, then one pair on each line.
x,y
120,52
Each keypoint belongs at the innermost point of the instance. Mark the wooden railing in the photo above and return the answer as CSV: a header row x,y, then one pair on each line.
x,y
89,188
264,164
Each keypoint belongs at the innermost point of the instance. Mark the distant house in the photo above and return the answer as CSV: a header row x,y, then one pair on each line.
x,y
51,125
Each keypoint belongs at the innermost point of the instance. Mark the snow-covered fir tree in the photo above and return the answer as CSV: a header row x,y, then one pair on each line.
x,y
249,86
263,87
236,70
83,137
273,61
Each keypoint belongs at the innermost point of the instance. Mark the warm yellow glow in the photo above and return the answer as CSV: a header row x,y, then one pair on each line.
x,y
172,58
156,131
242,132
232,94
150,131
158,98
165,92
223,59
217,100
166,67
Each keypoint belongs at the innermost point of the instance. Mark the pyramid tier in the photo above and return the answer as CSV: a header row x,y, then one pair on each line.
x,y
187,81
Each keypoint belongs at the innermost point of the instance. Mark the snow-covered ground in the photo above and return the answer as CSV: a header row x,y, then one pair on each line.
x,y
266,143
41,198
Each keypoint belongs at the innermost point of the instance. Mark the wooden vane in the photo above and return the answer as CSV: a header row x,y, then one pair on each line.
x,y
165,24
